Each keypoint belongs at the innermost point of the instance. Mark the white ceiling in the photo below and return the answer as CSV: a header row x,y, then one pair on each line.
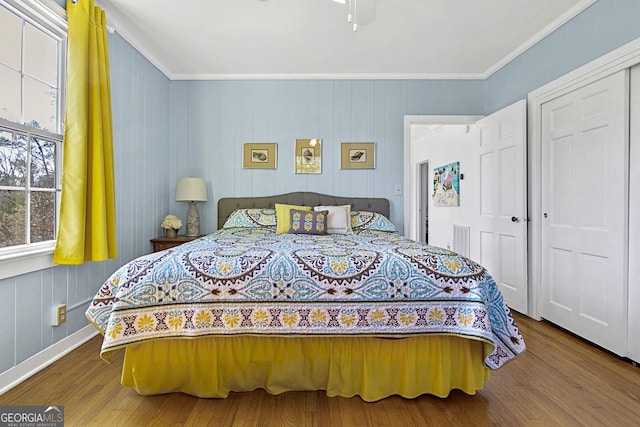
x,y
241,39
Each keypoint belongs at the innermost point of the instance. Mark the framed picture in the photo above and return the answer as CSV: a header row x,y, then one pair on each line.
x,y
358,155
309,155
446,185
260,156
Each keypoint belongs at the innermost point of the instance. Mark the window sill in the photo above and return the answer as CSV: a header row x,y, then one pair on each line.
x,y
27,261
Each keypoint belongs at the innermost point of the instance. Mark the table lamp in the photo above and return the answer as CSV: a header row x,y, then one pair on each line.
x,y
192,190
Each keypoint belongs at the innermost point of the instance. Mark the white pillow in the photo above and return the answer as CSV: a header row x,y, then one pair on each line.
x,y
338,220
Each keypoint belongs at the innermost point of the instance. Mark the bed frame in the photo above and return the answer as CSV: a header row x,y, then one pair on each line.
x,y
227,205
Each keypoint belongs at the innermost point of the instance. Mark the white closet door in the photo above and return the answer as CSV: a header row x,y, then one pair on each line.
x,y
499,241
585,205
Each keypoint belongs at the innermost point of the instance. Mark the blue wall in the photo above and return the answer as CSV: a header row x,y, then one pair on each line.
x,y
212,119
164,130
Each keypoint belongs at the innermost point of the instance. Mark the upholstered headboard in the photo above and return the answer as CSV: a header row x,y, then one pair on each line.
x,y
227,205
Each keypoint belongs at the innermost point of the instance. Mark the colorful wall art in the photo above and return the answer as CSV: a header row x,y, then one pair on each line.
x,y
446,185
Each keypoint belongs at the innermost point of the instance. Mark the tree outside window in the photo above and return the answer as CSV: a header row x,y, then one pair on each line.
x,y
31,79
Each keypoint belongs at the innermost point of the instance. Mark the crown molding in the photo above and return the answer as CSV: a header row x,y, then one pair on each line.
x,y
325,76
120,24
557,23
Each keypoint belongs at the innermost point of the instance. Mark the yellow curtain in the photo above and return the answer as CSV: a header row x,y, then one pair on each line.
x,y
86,230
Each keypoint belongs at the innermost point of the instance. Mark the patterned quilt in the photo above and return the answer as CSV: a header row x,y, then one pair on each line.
x,y
252,281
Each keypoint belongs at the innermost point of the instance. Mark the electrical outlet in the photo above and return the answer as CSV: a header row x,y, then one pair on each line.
x,y
59,314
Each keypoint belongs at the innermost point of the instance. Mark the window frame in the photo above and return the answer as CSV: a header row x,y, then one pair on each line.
x,y
51,18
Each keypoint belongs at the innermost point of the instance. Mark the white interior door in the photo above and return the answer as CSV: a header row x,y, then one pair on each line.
x,y
584,205
499,240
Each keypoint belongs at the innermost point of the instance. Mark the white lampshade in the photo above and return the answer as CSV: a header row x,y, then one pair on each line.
x,y
191,190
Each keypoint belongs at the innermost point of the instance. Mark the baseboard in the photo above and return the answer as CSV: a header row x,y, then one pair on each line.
x,y
14,376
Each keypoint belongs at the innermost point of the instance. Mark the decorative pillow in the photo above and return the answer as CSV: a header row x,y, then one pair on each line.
x,y
254,217
284,218
308,222
339,220
363,220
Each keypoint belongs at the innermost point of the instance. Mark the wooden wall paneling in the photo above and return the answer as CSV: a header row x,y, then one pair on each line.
x,y
361,131
231,180
151,145
338,131
88,279
177,130
345,132
123,107
46,295
389,149
8,322
117,116
326,130
28,315
59,296
138,156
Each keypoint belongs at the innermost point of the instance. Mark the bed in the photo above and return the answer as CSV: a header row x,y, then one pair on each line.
x,y
287,295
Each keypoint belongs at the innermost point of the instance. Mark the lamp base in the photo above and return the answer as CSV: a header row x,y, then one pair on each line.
x,y
193,220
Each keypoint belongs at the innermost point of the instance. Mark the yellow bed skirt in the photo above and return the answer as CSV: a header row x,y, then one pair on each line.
x,y
372,368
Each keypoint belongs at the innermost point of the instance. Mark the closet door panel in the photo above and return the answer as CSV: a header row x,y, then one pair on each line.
x,y
585,201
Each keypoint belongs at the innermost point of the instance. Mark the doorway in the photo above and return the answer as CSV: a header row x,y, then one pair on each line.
x,y
486,217
420,133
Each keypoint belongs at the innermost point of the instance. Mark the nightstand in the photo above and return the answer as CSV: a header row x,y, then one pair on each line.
x,y
161,243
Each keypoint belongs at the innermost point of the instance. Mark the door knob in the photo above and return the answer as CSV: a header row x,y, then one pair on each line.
x,y
514,219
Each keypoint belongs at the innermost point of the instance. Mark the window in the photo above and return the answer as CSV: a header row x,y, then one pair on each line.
x,y
32,71
29,185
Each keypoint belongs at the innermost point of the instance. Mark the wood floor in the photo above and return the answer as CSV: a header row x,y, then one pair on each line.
x,y
559,381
